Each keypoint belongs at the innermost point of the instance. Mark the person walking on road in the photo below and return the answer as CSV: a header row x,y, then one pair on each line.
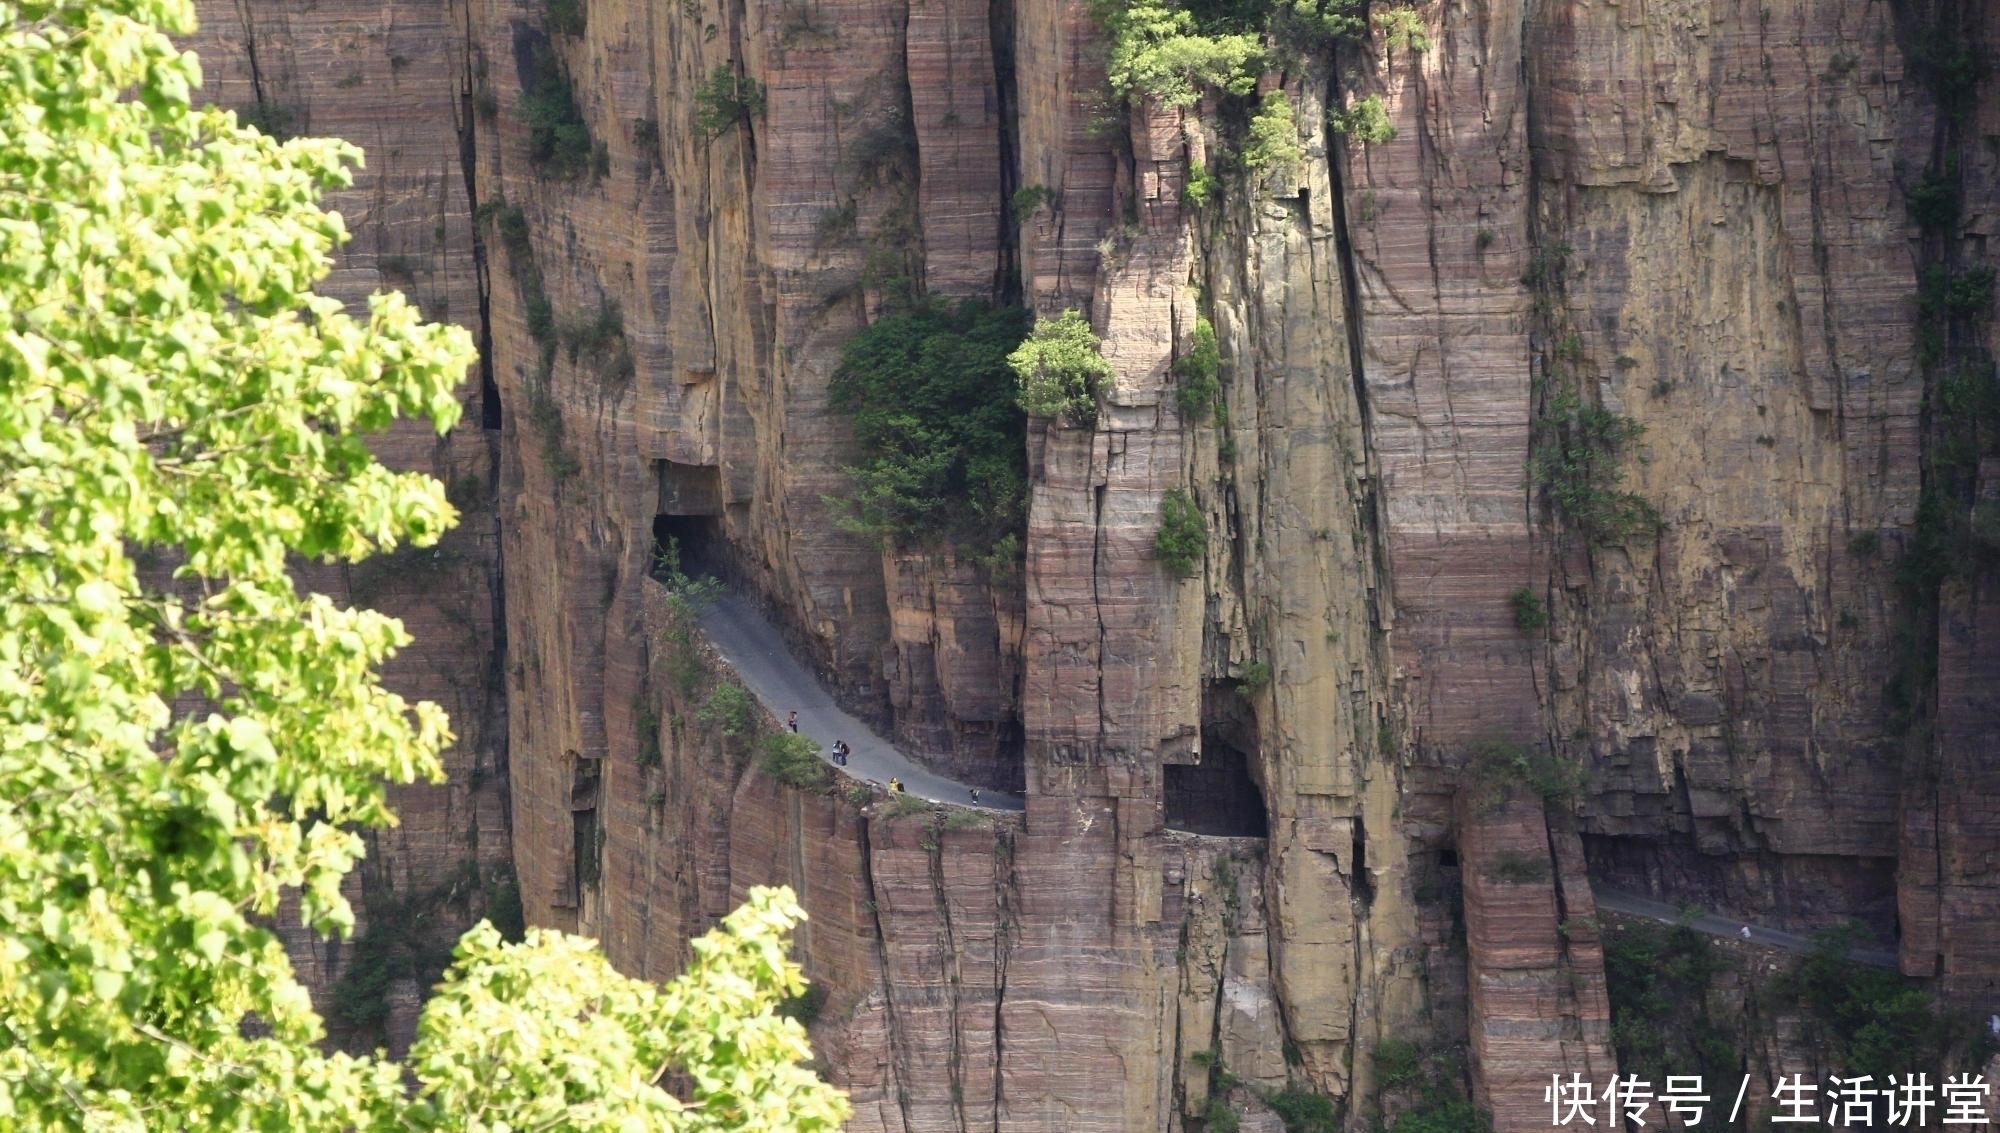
x,y
1744,932
792,721
895,786
975,795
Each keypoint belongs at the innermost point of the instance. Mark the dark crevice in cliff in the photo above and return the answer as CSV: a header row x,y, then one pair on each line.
x,y
1000,27
1958,428
1003,922
1343,242
243,9
1368,508
468,163
954,977
899,1058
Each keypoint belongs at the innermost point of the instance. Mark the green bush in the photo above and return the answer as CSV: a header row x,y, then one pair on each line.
x,y
903,806
1873,1020
1303,1111
599,339
943,444
565,17
1273,145
1182,541
1934,201
1498,766
1200,186
1028,200
1060,370
1366,120
1442,1115
725,100
647,726
1402,29
1200,371
1529,613
1256,675
730,710
1220,1118
503,905
1577,462
559,144
1659,978
646,139
1518,868
794,760
1158,51
1398,1062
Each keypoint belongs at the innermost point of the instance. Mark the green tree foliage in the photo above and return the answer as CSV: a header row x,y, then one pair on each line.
x,y
1529,612
1366,120
726,99
1577,461
566,17
1303,1111
1496,767
1872,1020
1158,51
1061,371
730,710
179,755
1402,29
1273,145
559,142
794,759
1182,540
1659,979
1028,200
942,442
1200,371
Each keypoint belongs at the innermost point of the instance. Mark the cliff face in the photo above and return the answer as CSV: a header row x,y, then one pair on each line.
x,y
392,81
1695,218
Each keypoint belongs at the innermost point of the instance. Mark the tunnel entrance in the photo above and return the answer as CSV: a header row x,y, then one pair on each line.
x,y
687,529
691,544
1217,795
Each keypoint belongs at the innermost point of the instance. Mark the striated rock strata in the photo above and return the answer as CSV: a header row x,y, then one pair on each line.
x,y
1694,219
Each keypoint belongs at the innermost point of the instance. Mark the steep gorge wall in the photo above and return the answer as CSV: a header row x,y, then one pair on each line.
x,y
1693,216
392,80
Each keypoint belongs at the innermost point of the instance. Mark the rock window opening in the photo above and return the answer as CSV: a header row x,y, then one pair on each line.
x,y
1217,795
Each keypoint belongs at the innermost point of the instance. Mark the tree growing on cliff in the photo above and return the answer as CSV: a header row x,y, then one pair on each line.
x,y
177,753
1061,370
943,445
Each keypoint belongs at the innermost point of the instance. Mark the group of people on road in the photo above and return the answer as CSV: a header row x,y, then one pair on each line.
x,y
840,751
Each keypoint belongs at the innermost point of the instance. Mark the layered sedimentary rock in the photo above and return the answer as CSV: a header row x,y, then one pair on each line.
x,y
1692,219
393,81
1539,1006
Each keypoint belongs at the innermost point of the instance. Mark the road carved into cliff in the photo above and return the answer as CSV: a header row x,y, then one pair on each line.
x,y
755,649
1632,904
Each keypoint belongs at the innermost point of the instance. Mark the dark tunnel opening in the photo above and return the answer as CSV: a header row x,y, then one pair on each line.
x,y
687,529
690,544
1217,795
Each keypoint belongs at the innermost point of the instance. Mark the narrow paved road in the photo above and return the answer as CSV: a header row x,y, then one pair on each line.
x,y
755,649
1621,902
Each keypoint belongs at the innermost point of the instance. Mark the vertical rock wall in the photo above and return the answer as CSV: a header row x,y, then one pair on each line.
x,y
394,82
1692,217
